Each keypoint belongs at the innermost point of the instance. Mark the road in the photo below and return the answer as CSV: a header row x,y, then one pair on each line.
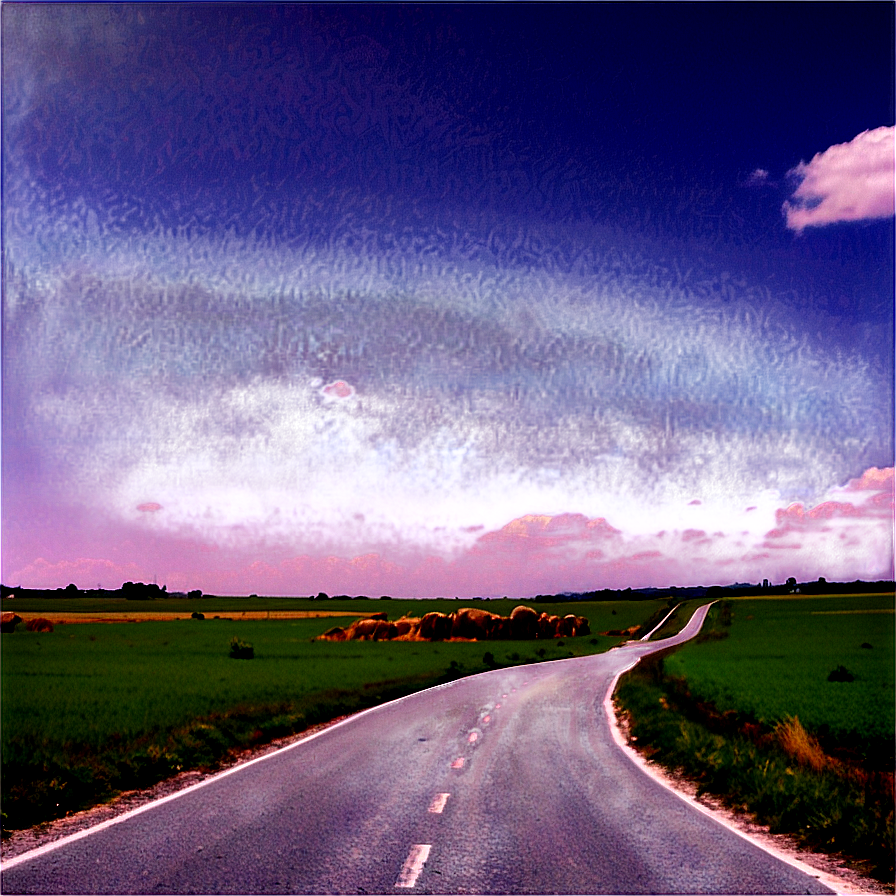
x,y
505,782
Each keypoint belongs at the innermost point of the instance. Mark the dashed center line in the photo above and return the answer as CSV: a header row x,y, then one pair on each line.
x,y
486,719
413,865
458,763
438,804
474,736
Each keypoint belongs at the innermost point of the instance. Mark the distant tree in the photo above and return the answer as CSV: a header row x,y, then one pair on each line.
x,y
791,582
322,596
195,594
72,588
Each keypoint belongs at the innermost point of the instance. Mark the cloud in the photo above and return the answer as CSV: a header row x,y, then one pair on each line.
x,y
846,536
338,390
340,481
848,182
759,178
849,536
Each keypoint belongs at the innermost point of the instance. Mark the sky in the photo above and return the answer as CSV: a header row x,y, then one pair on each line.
x,y
447,300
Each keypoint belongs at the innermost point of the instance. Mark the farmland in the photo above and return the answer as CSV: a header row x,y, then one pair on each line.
x,y
779,653
96,707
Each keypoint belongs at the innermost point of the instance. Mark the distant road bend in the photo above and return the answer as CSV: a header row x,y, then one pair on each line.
x,y
505,782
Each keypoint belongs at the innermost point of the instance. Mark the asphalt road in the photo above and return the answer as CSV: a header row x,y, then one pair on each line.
x,y
505,782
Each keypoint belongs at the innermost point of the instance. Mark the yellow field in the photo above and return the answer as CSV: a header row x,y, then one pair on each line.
x,y
75,618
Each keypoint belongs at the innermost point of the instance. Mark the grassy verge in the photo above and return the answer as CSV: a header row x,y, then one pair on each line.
x,y
92,709
736,731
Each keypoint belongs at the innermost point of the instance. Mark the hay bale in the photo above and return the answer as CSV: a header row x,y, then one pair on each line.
x,y
434,627
524,623
9,621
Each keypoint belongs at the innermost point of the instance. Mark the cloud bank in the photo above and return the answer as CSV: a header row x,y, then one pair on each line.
x,y
847,536
341,482
848,182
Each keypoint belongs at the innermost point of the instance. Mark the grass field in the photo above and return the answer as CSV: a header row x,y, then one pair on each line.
x,y
93,708
777,657
748,713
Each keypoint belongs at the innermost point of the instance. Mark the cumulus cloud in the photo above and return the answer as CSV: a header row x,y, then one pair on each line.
x,y
339,391
848,182
851,531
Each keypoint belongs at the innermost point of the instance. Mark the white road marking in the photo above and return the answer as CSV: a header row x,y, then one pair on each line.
x,y
413,865
486,719
437,806
458,763
474,736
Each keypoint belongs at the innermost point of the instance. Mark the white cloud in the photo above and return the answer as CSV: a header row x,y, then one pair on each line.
x,y
758,178
339,391
341,482
848,182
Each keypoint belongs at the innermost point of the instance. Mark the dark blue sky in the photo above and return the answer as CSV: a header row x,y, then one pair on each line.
x,y
544,247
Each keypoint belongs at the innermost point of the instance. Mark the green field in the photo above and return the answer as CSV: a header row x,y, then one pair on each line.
x,y
722,710
93,708
777,657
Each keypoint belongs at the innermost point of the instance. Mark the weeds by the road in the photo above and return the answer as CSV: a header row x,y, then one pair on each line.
x,y
831,799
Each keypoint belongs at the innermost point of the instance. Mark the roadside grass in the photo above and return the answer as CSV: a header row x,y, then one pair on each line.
x,y
91,709
747,712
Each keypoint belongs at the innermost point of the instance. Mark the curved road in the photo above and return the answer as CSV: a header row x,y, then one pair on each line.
x,y
505,782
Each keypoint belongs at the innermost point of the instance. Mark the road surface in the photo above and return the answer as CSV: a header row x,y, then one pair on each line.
x,y
505,782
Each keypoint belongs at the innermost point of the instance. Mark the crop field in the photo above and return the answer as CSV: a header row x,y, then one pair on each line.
x,y
93,708
779,653
751,712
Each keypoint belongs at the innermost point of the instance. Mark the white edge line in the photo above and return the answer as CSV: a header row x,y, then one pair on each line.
x,y
658,627
39,851
829,880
